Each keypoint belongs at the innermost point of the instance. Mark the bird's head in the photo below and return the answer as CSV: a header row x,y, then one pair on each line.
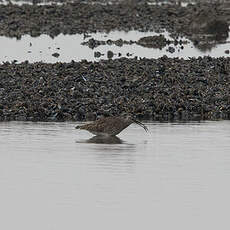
x,y
131,119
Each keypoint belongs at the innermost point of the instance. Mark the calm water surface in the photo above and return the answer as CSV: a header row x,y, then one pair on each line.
x,y
69,47
53,177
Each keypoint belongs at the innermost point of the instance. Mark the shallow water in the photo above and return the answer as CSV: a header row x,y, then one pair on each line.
x,y
69,47
174,177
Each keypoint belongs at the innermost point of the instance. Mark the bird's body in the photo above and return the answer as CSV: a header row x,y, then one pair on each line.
x,y
109,126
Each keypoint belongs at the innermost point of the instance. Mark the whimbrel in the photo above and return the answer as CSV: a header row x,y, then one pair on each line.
x,y
110,126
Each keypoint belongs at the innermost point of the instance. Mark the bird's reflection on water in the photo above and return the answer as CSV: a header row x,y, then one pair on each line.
x,y
109,153
103,140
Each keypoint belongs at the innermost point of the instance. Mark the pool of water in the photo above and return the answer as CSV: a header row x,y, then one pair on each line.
x,y
53,176
69,47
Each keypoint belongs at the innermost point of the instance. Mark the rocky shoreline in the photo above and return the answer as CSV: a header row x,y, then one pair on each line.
x,y
82,17
160,89
164,89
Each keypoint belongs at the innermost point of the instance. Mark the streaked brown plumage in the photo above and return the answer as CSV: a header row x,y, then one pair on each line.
x,y
110,126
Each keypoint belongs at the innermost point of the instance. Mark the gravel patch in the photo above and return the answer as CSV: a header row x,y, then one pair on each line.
x,y
159,89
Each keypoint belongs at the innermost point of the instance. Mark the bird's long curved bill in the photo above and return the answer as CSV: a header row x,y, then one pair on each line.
x,y
142,125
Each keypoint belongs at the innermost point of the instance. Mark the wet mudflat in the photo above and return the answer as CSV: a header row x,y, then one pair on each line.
x,y
159,89
85,17
202,23
53,177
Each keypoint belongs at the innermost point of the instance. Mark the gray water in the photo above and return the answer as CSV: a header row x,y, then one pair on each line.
x,y
53,177
69,47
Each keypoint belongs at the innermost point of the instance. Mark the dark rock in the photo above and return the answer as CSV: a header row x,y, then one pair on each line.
x,y
153,41
56,55
217,27
110,54
92,43
97,54
171,49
